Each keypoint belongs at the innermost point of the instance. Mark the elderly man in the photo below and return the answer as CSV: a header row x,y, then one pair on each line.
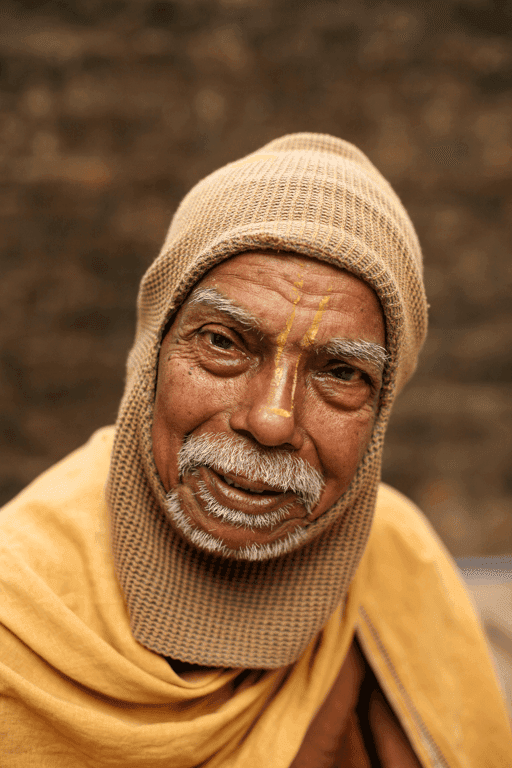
x,y
228,601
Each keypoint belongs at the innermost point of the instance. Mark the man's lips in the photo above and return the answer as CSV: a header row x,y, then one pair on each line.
x,y
250,497
244,484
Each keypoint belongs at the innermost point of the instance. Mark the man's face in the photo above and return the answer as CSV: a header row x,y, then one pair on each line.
x,y
268,386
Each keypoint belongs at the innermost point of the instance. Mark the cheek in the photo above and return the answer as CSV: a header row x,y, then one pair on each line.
x,y
341,441
186,399
177,398
172,415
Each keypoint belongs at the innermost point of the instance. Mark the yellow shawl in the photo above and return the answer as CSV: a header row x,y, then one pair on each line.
x,y
77,690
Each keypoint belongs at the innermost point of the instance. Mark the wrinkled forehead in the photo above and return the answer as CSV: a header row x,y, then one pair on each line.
x,y
294,278
283,265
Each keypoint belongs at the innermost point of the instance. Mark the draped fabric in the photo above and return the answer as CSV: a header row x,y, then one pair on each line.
x,y
78,691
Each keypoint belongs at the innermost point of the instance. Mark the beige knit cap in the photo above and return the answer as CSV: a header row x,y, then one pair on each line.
x,y
321,197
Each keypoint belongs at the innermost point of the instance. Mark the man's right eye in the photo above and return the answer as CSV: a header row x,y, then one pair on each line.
x,y
219,340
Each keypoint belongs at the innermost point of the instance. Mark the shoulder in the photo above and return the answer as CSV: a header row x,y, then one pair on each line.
x,y
406,566
404,526
406,561
420,633
410,579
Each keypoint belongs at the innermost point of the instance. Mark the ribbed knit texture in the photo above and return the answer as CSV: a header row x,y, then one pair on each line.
x,y
314,195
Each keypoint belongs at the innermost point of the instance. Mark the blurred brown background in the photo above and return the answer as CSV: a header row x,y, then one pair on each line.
x,y
112,109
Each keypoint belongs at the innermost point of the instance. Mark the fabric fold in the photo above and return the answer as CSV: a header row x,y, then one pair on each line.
x,y
72,675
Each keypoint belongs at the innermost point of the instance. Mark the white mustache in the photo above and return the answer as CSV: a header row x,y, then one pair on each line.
x,y
272,466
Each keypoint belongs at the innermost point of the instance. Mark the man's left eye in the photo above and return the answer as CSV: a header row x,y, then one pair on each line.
x,y
220,341
345,372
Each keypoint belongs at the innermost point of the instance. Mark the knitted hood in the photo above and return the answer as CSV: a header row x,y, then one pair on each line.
x,y
317,196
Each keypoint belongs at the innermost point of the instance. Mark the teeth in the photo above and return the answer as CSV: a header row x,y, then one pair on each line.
x,y
231,482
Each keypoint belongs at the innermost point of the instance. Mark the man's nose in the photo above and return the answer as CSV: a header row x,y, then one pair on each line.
x,y
267,411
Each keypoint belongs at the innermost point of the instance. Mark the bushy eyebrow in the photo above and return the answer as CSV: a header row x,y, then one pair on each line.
x,y
211,298
365,351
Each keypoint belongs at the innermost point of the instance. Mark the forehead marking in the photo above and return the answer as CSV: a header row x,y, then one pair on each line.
x,y
307,341
294,384
281,341
310,335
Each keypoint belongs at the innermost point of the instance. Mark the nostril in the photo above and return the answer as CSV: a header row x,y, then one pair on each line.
x,y
251,437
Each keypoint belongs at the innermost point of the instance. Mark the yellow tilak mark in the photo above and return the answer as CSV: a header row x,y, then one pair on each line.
x,y
310,334
294,385
281,341
280,412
